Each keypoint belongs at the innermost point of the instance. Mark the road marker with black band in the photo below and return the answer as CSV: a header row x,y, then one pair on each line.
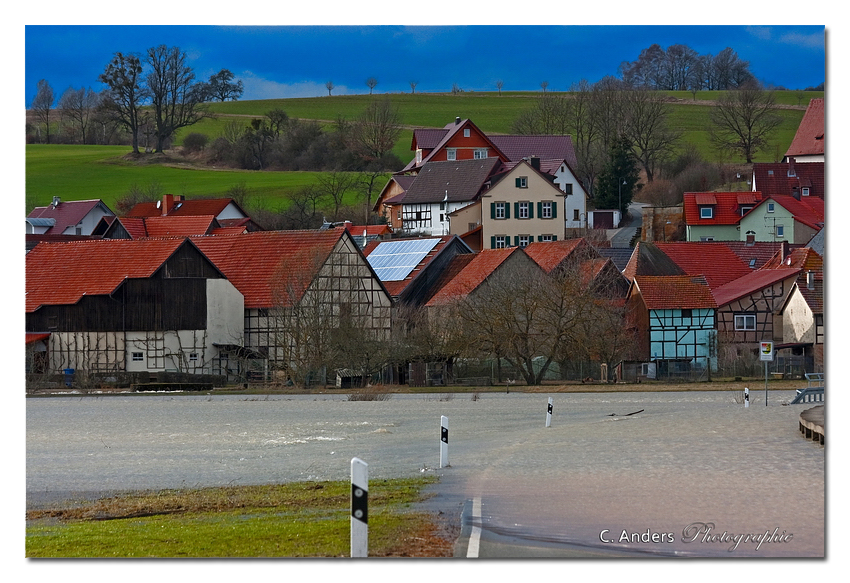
x,y
359,508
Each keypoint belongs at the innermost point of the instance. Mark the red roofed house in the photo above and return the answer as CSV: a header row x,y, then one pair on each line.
x,y
76,217
577,257
674,316
130,306
784,218
168,226
808,142
307,294
715,216
227,211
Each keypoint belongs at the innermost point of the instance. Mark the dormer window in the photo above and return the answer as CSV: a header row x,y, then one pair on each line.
x,y
706,212
745,210
804,191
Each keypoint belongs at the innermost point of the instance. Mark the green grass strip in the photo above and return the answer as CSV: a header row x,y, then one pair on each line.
x,y
304,519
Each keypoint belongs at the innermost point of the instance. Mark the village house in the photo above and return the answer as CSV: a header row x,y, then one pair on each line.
x,y
226,211
520,207
784,218
78,217
163,226
123,306
790,179
302,290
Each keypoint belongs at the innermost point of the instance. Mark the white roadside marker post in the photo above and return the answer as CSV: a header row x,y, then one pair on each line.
x,y
549,413
746,397
444,441
359,508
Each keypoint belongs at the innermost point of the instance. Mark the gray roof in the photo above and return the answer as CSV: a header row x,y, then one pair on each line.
x,y
818,242
461,179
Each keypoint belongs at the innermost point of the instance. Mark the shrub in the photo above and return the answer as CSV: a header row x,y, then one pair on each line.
x,y
195,142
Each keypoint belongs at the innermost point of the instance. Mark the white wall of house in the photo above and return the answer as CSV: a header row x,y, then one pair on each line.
x,y
433,217
798,321
575,204
231,212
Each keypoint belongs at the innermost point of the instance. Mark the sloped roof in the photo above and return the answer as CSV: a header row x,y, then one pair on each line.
x,y
818,242
783,177
270,268
476,270
754,255
673,292
809,210
809,139
647,259
714,260
550,147
727,206
200,206
395,288
551,254
462,179
801,258
66,214
62,273
751,283
619,255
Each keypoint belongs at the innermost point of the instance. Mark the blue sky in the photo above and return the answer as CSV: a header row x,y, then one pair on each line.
x,y
297,61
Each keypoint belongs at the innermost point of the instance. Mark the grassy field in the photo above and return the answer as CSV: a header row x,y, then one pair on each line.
x,y
85,172
305,519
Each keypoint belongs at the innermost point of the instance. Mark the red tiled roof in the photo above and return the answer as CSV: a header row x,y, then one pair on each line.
x,y
179,226
773,178
31,338
809,210
714,260
270,268
472,275
809,139
371,230
551,254
803,258
754,255
673,292
62,273
751,283
210,206
726,206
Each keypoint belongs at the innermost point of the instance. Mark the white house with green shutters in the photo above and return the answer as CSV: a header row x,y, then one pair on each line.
x,y
523,206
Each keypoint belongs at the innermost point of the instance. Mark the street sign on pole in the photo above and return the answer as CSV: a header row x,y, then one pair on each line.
x,y
766,350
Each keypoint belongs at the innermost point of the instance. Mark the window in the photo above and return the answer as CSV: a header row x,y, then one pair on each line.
x,y
193,356
546,210
805,191
138,356
745,322
752,263
500,242
522,182
451,154
687,313
546,238
480,153
706,212
465,132
745,210
568,188
707,238
770,207
576,215
780,230
500,210
523,210
419,155
524,240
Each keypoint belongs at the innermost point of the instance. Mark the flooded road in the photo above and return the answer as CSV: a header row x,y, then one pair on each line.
x,y
603,476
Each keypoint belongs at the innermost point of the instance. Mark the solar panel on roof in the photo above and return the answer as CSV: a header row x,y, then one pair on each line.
x,y
394,260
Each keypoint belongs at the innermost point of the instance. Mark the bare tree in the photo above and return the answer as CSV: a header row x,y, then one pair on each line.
x,y
42,105
175,96
413,85
376,131
125,93
79,106
329,85
499,85
335,186
647,130
222,87
371,83
544,85
743,120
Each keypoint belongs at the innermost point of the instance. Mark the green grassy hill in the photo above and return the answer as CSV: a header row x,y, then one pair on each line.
x,y
86,172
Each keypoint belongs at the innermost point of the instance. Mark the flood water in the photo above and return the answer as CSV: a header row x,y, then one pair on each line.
x,y
685,462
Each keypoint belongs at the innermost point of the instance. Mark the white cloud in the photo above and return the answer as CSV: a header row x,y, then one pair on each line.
x,y
260,88
814,41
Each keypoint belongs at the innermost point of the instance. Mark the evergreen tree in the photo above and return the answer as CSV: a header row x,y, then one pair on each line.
x,y
618,181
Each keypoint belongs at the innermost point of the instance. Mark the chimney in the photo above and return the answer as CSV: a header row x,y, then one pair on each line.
x,y
535,162
751,239
791,170
56,201
457,120
783,250
167,203
810,279
795,192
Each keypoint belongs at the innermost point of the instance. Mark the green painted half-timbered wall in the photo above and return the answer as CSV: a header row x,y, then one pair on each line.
x,y
676,334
